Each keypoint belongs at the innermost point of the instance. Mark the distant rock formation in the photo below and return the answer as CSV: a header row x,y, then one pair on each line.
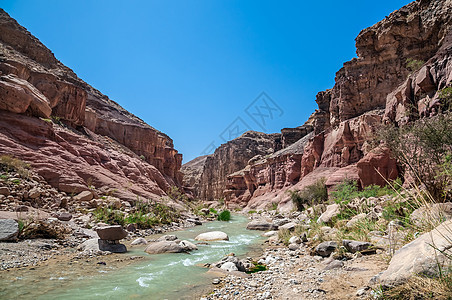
x,y
379,86
70,133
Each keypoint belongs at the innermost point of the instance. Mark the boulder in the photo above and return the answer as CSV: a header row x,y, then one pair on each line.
x,y
9,229
4,191
34,193
355,246
377,167
212,236
111,233
105,245
89,245
423,256
289,226
196,222
229,266
295,240
167,237
188,245
131,227
294,246
335,264
331,211
270,233
326,248
261,225
432,214
64,216
164,247
281,222
139,241
355,220
84,196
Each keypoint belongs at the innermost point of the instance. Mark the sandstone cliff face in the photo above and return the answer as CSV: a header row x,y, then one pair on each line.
x,y
92,140
375,88
231,157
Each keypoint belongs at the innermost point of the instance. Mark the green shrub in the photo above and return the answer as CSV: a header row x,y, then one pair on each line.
x,y
109,216
422,149
145,214
414,64
445,95
176,194
274,206
400,210
257,268
345,192
225,215
310,195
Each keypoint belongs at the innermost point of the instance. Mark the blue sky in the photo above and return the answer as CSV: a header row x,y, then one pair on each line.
x,y
192,68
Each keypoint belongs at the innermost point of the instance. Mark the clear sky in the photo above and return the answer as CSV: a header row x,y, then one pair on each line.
x,y
196,69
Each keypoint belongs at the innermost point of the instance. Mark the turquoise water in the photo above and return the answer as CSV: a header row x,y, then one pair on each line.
x,y
161,276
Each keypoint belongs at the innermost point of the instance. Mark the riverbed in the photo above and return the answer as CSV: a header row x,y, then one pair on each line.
x,y
161,276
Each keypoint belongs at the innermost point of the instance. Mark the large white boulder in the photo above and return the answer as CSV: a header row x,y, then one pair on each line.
x,y
423,256
212,236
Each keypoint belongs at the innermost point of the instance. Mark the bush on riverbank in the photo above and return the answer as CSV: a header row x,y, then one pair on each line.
x,y
145,214
225,215
310,195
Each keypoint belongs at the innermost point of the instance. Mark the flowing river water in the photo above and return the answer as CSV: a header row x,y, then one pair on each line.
x,y
160,276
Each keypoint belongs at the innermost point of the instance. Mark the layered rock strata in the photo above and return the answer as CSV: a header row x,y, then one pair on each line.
x,y
69,132
403,63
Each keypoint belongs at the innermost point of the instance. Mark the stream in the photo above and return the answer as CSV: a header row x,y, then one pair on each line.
x,y
158,276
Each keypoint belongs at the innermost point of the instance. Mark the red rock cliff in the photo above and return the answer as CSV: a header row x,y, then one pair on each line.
x,y
376,87
92,140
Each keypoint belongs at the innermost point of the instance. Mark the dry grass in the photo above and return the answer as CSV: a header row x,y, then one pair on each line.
x,y
284,235
421,288
9,163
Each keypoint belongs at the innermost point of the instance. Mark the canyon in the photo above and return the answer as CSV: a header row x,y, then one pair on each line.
x,y
72,135
403,62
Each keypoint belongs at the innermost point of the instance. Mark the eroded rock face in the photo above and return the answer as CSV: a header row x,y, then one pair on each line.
x,y
377,87
232,157
91,139
260,176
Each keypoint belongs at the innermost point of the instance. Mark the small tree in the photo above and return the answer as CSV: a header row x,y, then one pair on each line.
x,y
311,194
423,148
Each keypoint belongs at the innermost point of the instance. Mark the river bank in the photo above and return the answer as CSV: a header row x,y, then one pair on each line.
x,y
299,275
134,274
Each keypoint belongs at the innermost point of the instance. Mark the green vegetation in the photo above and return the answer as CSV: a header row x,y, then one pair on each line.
x,y
257,268
445,95
284,235
274,206
414,64
56,120
177,195
424,148
145,214
9,164
310,195
225,215
348,190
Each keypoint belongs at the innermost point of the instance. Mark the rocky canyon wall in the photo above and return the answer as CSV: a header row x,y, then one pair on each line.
x,y
379,86
70,133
